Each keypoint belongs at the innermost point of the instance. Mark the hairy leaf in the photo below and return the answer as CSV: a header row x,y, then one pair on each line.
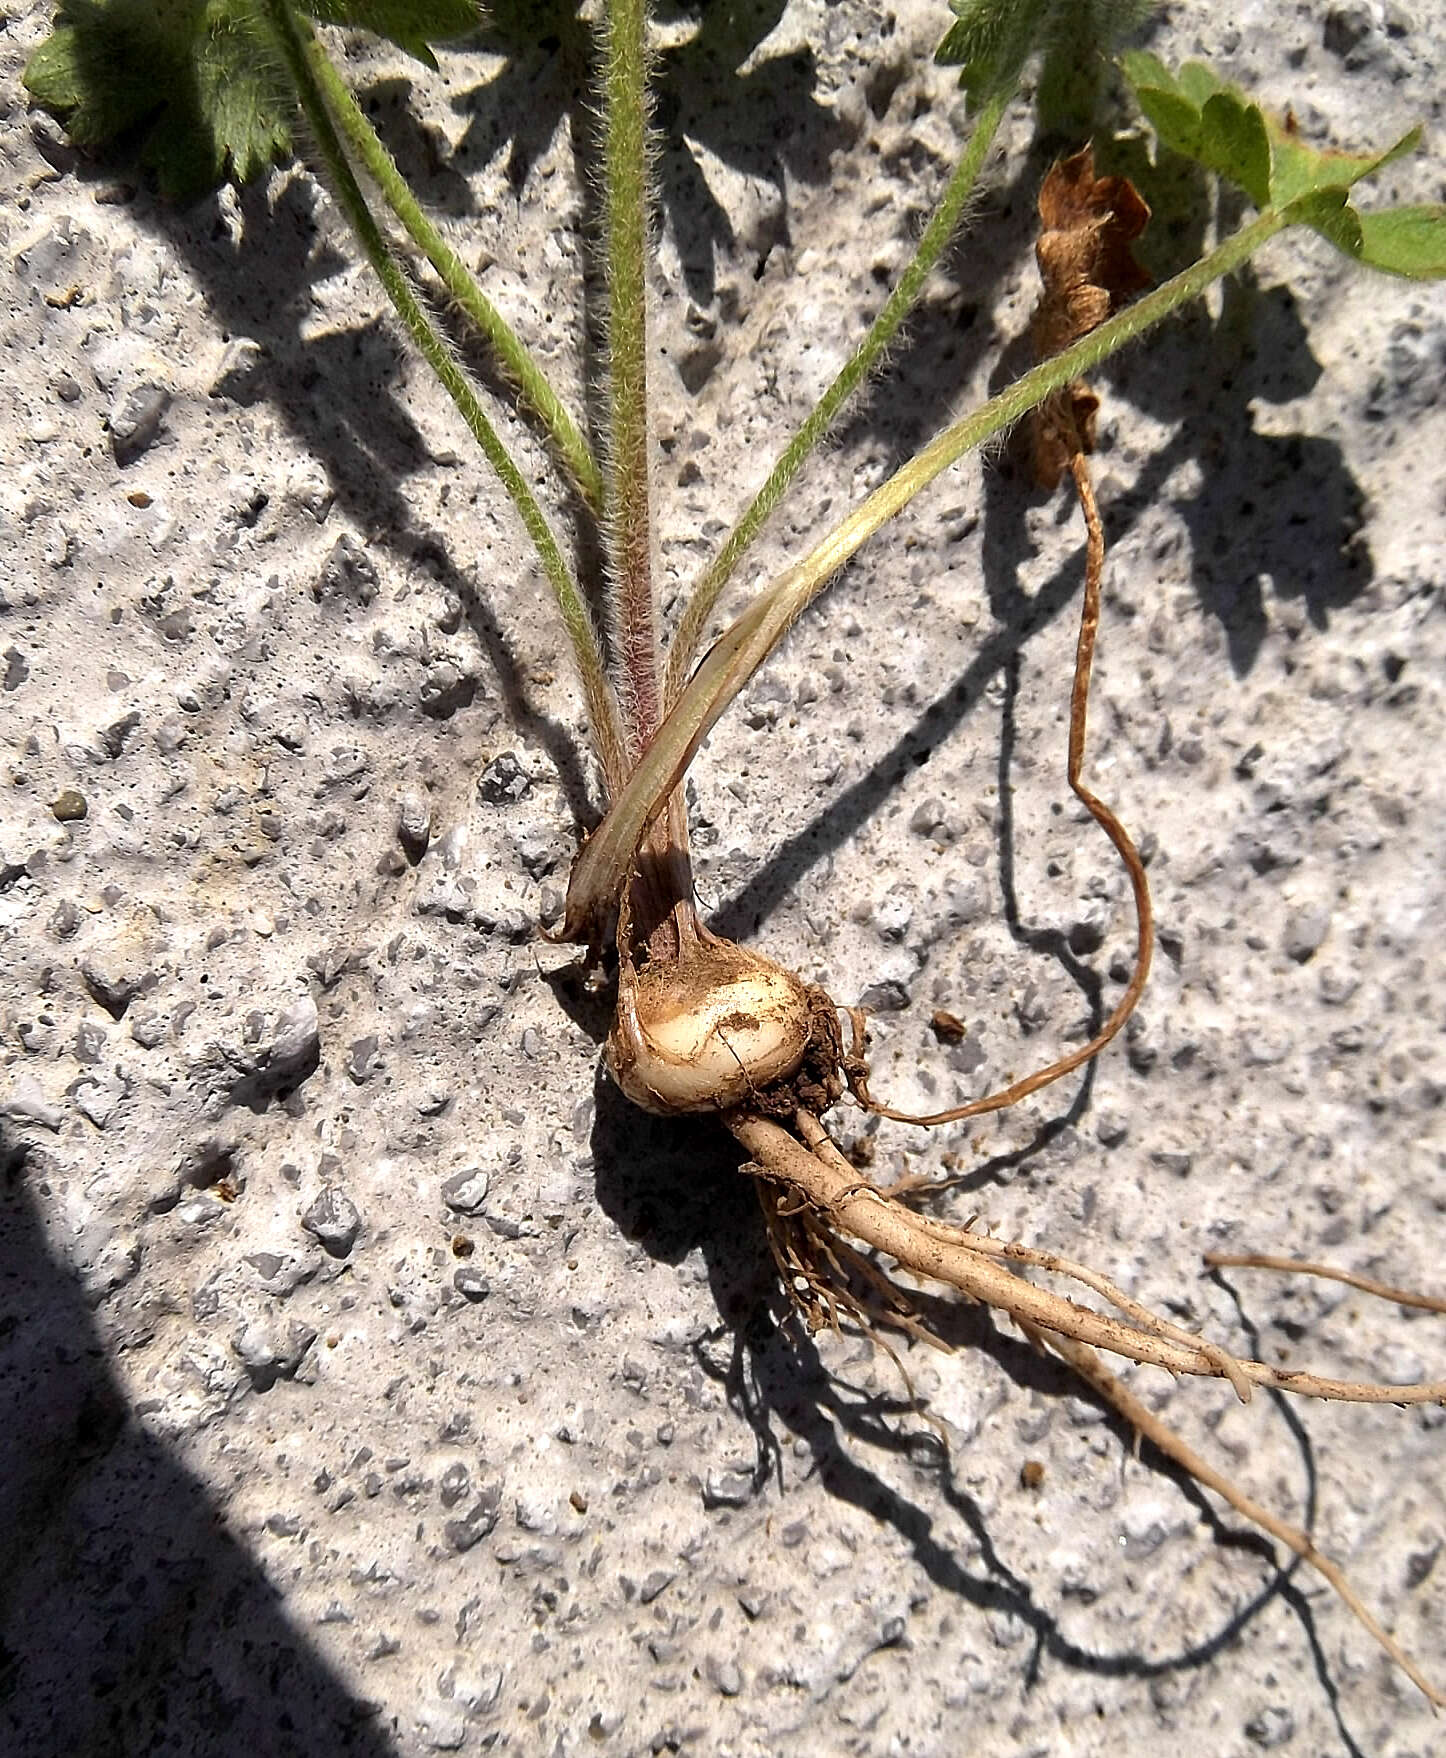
x,y
410,24
1406,241
197,88
991,40
196,84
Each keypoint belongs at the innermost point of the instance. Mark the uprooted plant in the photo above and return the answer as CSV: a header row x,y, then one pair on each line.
x,y
703,1025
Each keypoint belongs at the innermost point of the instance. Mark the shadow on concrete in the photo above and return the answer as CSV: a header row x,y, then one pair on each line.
x,y
131,1620
675,1188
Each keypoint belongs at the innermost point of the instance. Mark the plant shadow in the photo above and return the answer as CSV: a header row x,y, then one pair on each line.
x,y
674,1187
714,92
130,1616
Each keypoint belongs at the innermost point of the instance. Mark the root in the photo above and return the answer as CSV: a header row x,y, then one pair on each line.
x,y
1294,1266
815,1189
1227,1366
1145,1423
966,1262
855,1067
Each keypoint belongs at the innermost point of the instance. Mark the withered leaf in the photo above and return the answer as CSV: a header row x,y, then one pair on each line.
x,y
1088,225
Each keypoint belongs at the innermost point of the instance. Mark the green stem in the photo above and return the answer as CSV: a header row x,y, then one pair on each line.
x,y
606,859
519,365
292,37
625,206
885,326
1029,390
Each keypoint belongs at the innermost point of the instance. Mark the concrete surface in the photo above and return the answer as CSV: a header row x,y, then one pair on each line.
x,y
374,1380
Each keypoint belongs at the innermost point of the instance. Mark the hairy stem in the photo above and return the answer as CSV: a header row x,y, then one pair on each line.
x,y
511,353
884,328
1026,393
625,206
602,867
293,35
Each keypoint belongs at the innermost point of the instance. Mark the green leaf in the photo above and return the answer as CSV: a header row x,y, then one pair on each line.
x,y
197,88
194,86
1298,169
1196,114
1235,145
991,40
410,24
1328,212
1407,241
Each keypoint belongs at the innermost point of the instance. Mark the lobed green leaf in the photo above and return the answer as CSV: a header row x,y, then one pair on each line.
x,y
1195,113
412,25
990,41
197,88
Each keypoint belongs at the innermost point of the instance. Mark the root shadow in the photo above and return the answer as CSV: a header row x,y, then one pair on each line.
x,y
674,1188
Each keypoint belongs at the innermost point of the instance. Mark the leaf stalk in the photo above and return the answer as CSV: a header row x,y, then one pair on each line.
x,y
512,354
295,40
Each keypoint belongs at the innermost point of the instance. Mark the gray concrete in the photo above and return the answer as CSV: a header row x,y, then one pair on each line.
x,y
375,1380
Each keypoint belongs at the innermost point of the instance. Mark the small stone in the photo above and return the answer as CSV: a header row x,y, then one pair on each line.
x,y
465,1192
471,1284
414,824
1345,28
1110,1129
135,420
539,849
728,1489
238,377
296,1043
1172,1160
1086,933
16,670
456,1481
362,1060
504,781
480,1520
113,737
886,997
65,919
283,1525
443,1726
927,817
148,1029
334,1221
114,977
1336,987
347,574
269,1355
69,806
657,1583
446,687
25,1103
98,1100
1305,929
281,1273
1271,1727
725,1677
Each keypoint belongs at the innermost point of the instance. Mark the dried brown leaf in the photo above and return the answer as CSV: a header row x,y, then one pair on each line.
x,y
1088,225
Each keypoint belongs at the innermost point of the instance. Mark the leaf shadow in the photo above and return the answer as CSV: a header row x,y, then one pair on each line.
x,y
131,1617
